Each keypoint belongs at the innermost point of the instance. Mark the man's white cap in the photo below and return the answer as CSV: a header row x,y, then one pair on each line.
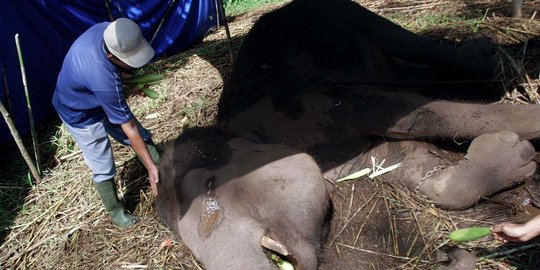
x,y
124,40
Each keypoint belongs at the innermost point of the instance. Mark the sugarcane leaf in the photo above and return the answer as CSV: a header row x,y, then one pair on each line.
x,y
150,93
469,234
355,175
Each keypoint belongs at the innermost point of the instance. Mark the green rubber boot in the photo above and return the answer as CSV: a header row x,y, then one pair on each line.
x,y
107,192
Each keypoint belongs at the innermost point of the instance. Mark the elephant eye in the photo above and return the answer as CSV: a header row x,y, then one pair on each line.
x,y
210,183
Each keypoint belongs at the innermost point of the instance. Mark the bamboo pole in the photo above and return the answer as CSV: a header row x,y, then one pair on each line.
x,y
165,16
19,143
29,106
108,6
6,90
226,24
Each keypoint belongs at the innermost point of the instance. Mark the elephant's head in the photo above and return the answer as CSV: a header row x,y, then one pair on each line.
x,y
230,200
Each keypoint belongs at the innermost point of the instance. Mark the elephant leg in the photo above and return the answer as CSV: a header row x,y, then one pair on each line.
x,y
409,116
466,121
493,162
315,118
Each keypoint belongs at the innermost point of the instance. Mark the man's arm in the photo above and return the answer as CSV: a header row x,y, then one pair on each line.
x,y
511,232
139,145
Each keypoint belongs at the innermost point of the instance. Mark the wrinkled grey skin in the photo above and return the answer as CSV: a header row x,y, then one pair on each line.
x,y
333,94
498,156
460,259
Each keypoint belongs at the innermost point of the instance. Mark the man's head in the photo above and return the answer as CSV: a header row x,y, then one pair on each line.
x,y
124,40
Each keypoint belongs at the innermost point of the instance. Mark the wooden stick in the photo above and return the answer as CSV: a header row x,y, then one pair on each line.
x,y
29,106
19,143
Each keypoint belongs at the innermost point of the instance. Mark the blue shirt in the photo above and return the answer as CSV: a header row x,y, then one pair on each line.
x,y
89,87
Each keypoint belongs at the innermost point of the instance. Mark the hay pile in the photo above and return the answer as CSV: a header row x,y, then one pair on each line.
x,y
62,225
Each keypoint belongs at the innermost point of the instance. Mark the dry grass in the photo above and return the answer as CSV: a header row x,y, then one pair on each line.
x,y
62,224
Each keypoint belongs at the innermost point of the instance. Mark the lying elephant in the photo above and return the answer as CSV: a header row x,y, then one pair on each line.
x,y
319,87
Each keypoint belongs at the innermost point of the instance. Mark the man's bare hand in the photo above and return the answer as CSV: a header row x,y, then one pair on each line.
x,y
153,176
511,232
139,145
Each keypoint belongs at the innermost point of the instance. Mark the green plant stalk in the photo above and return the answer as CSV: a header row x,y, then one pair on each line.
x,y
469,234
29,106
150,93
143,78
281,263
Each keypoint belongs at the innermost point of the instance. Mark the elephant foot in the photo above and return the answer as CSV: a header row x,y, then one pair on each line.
x,y
460,259
494,161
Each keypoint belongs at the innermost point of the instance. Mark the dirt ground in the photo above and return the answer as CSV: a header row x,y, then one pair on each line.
x,y
377,223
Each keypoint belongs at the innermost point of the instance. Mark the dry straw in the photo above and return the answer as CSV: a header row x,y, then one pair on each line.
x,y
62,224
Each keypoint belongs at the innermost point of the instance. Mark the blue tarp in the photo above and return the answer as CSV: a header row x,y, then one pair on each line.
x,y
47,28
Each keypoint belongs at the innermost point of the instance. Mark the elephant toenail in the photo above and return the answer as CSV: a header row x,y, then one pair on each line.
x,y
528,151
508,136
